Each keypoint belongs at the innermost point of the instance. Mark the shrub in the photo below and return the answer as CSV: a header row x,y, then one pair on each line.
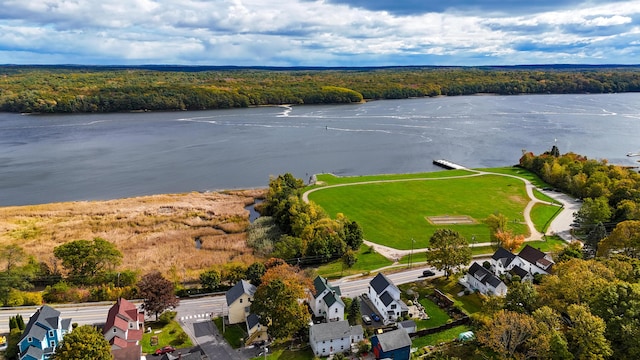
x,y
166,317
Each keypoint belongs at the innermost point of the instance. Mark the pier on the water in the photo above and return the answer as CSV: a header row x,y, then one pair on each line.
x,y
448,165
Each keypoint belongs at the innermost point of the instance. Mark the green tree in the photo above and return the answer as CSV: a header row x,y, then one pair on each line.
x,y
86,259
521,297
349,258
497,223
354,311
624,238
586,335
158,293
592,212
210,280
353,235
255,272
278,307
508,334
19,269
12,352
83,343
448,251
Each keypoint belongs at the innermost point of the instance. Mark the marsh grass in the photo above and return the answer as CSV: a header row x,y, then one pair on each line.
x,y
153,232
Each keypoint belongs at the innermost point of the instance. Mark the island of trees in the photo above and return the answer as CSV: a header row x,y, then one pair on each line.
x,y
51,89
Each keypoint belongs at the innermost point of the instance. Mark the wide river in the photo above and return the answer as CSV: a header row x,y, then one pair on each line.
x,y
51,158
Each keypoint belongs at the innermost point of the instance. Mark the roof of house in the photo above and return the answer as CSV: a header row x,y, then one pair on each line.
x,y
128,353
329,331
120,314
392,340
531,254
517,270
45,318
187,356
503,255
380,283
241,287
34,352
483,275
321,284
331,298
252,320
386,298
357,330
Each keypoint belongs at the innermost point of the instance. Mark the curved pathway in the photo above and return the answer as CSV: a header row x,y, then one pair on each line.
x,y
561,224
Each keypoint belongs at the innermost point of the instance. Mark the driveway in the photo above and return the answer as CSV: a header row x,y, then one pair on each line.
x,y
204,333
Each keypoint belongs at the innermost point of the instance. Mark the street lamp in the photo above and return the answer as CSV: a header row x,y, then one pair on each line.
x,y
411,253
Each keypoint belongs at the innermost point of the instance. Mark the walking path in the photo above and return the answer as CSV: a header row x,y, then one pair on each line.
x,y
561,224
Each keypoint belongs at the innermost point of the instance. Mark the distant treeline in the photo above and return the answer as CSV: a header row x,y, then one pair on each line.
x,y
70,89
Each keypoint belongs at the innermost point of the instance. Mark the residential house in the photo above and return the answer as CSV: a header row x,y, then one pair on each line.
x,y
42,334
334,337
385,296
256,331
528,262
123,330
394,345
325,301
480,279
239,299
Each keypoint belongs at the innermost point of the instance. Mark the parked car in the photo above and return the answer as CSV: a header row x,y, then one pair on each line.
x,y
165,349
428,273
366,319
375,317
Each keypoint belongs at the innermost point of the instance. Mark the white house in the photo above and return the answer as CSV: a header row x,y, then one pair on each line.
x,y
481,279
385,296
528,262
325,301
333,337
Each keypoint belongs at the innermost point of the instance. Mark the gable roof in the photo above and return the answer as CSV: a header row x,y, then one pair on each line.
x,y
535,256
44,319
329,331
483,275
503,255
321,284
241,287
252,320
121,313
392,340
380,283
386,298
517,270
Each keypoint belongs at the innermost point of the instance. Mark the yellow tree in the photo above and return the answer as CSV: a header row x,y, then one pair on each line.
x,y
625,238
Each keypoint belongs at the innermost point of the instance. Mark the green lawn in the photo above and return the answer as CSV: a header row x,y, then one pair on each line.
x,y
437,316
394,213
286,354
437,338
330,179
519,172
542,215
167,335
367,261
232,333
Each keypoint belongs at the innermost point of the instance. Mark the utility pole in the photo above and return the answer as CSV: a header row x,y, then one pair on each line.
x,y
411,253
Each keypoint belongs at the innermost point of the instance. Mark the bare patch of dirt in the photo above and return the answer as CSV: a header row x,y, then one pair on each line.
x,y
152,232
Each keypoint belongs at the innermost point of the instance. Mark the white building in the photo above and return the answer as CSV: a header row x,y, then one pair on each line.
x,y
385,296
334,337
325,301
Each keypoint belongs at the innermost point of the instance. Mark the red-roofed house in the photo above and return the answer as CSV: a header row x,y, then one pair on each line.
x,y
123,330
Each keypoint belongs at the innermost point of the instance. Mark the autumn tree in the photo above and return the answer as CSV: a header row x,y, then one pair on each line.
x,y
85,259
497,223
157,293
276,300
624,238
83,343
508,240
508,333
586,335
448,251
521,297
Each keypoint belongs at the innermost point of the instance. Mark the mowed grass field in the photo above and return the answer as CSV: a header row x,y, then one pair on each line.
x,y
393,213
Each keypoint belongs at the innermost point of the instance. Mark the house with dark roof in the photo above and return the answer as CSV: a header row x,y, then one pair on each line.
x,y
256,331
325,301
385,296
394,345
334,337
239,299
501,261
480,279
123,330
42,334
534,261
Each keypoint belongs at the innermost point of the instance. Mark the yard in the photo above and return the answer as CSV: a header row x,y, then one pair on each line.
x,y
168,334
234,334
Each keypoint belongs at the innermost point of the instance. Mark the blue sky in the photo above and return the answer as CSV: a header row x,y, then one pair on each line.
x,y
319,33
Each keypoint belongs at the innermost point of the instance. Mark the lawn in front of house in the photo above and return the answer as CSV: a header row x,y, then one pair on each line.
x,y
234,334
286,354
439,337
394,213
169,334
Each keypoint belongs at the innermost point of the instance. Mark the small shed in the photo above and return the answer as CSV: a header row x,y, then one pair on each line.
x,y
409,326
465,336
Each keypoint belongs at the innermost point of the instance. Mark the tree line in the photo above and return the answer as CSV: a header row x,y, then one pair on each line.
x,y
103,89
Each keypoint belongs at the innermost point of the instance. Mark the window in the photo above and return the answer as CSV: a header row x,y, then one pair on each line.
x,y
51,333
52,343
114,329
341,347
130,325
393,306
29,339
240,301
336,310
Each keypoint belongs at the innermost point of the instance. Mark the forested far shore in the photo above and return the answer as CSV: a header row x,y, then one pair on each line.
x,y
71,89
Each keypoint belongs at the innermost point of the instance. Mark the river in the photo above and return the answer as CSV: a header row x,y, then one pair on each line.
x,y
52,158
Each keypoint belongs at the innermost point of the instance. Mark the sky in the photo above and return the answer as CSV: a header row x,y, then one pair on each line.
x,y
319,33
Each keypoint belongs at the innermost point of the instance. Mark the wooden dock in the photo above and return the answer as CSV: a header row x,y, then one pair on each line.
x,y
448,165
